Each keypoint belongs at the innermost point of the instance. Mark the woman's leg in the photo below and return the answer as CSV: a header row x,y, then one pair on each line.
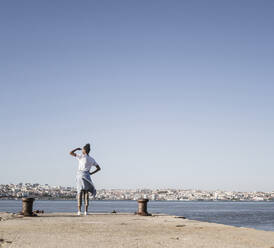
x,y
80,200
86,200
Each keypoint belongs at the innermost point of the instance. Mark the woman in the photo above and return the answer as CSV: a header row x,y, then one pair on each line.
x,y
83,180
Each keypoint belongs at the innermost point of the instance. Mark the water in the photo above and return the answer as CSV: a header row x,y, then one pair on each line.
x,y
258,215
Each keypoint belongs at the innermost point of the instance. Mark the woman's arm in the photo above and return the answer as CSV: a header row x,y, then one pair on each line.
x,y
98,168
72,153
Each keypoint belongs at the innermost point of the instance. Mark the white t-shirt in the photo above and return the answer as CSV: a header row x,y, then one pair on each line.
x,y
85,162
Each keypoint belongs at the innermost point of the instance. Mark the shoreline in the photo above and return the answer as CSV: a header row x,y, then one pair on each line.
x,y
125,230
212,212
74,199
17,215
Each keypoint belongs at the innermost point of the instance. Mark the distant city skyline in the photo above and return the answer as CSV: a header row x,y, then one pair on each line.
x,y
170,94
46,192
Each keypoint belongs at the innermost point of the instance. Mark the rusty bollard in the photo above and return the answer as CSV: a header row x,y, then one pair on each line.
x,y
142,207
27,204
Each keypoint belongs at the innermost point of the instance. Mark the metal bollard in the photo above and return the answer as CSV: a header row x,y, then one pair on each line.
x,y
27,206
142,207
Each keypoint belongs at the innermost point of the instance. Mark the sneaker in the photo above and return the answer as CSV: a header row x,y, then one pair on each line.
x,y
86,213
78,213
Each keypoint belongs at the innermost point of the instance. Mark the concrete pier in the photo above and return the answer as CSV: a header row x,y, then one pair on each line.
x,y
64,230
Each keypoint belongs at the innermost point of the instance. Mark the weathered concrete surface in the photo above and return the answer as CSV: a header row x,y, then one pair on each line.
x,y
124,230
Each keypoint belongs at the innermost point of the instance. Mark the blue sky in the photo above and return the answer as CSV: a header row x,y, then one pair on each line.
x,y
169,93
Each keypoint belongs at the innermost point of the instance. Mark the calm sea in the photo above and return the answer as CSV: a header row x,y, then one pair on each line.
x,y
258,215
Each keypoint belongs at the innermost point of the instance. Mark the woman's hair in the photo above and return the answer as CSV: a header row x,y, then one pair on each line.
x,y
87,148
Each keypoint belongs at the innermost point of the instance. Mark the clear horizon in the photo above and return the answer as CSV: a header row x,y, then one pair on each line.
x,y
170,94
